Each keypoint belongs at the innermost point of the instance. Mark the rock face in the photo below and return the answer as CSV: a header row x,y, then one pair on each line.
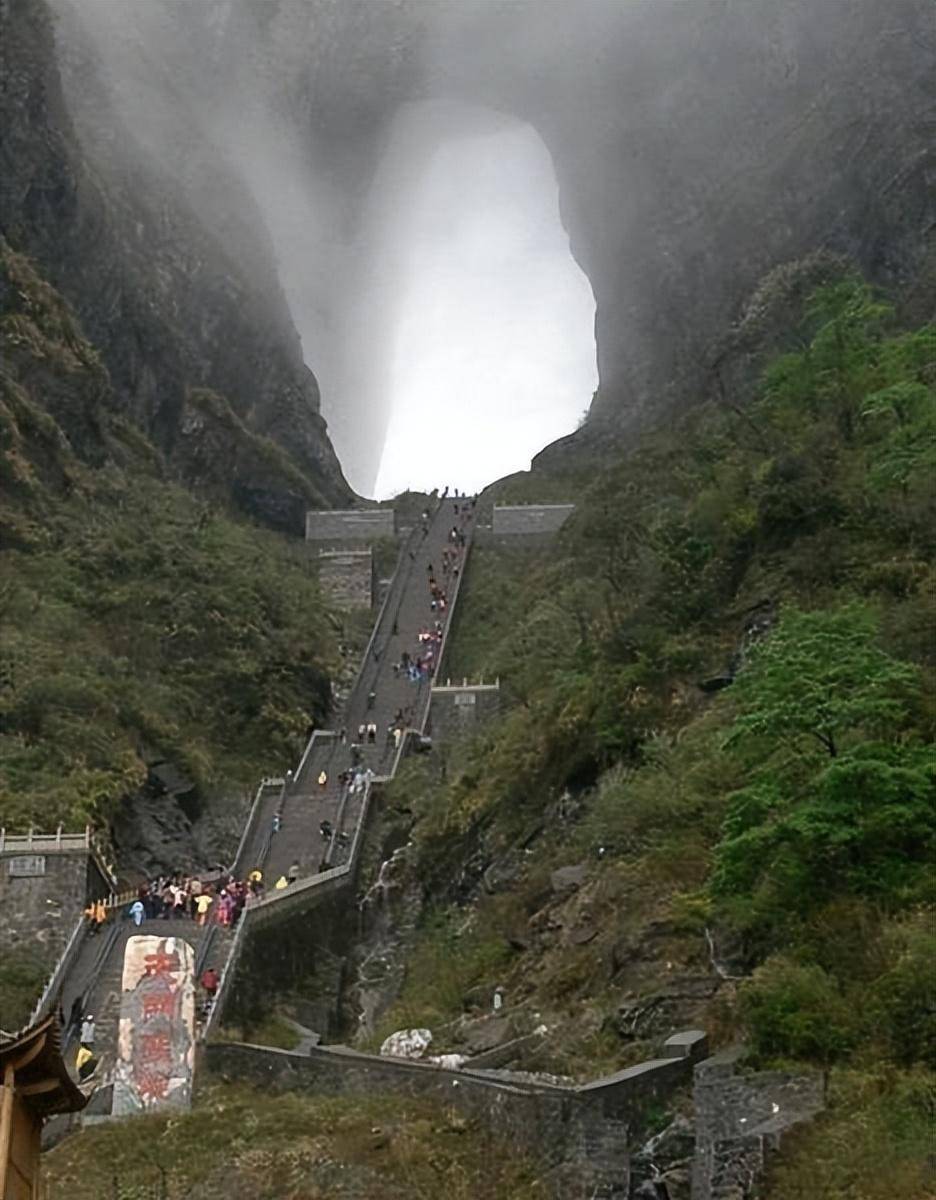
x,y
696,149
172,305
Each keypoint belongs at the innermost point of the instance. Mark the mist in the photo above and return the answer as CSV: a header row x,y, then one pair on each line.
x,y
493,350
441,190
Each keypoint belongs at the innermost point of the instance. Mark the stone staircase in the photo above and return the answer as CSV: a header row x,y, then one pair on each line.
x,y
93,985
379,693
92,981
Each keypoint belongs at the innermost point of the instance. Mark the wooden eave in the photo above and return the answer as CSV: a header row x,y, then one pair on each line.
x,y
41,1078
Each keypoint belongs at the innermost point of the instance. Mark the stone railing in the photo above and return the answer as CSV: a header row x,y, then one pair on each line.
x,y
60,843
65,962
344,872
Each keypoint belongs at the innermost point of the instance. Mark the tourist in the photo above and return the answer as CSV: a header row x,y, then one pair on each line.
x,y
194,890
87,1031
325,829
277,822
202,905
209,982
85,1063
137,912
323,779
293,873
281,884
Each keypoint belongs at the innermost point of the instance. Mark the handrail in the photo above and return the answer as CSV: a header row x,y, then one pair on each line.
x,y
229,964
204,950
399,573
248,825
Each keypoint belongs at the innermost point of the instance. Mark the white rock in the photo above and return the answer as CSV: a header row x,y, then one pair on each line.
x,y
407,1043
451,1062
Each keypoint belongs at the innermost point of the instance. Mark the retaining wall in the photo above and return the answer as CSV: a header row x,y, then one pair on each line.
x,y
347,577
529,519
740,1119
457,709
41,894
579,1134
547,1123
353,525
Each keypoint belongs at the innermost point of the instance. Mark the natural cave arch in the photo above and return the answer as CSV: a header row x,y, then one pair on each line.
x,y
468,338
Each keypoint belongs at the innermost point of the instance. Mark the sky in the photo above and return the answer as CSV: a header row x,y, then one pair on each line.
x,y
493,350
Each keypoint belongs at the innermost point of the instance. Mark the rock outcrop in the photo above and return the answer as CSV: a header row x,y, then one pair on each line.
x,y
172,305
696,149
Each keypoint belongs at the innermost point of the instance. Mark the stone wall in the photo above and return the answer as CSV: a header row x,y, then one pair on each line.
x,y
529,519
354,525
548,1123
347,577
580,1135
457,709
41,895
296,946
740,1120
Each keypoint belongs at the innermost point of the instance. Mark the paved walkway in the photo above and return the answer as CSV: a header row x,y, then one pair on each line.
x,y
379,694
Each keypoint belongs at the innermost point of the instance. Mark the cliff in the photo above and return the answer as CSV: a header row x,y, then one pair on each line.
x,y
696,148
171,304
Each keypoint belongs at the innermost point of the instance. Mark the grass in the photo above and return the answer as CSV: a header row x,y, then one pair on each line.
x,y
246,1144
875,1142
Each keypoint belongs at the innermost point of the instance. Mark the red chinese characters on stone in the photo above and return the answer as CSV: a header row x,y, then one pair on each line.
x,y
154,1065
161,963
159,999
160,1004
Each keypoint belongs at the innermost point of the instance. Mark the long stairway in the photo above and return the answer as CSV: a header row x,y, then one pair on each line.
x,y
380,693
92,981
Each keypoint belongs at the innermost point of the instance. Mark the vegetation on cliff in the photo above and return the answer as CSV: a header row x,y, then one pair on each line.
x,y
721,687
139,622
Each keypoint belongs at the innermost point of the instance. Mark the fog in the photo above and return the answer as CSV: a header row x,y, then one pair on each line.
x,y
388,164
443,300
493,350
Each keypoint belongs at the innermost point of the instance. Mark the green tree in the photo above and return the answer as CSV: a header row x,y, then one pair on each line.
x,y
818,677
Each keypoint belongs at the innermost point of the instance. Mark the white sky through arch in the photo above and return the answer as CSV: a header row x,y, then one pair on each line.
x,y
493,353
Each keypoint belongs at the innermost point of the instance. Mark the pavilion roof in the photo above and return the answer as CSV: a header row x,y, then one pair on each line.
x,y
42,1079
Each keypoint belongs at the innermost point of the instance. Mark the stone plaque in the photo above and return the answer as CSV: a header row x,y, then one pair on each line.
x,y
26,865
465,698
156,1037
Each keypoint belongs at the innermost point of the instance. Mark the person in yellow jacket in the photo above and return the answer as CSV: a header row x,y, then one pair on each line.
x,y
281,883
85,1062
202,904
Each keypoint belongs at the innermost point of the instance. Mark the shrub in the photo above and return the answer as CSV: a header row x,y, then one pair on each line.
x,y
795,1011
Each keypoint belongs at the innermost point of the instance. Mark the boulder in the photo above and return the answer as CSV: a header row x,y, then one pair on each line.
x,y
486,1034
568,879
407,1043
